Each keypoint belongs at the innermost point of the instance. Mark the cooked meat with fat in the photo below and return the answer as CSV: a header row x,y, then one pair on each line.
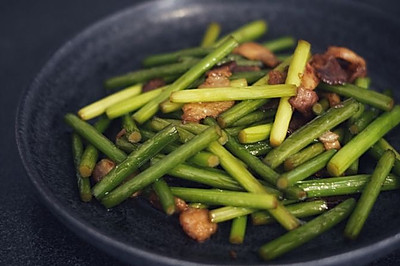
x,y
194,112
328,69
102,168
217,77
180,204
304,100
333,98
309,80
153,84
339,65
330,140
356,68
276,77
196,224
255,51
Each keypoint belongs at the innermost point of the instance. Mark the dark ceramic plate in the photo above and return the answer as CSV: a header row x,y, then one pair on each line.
x,y
134,231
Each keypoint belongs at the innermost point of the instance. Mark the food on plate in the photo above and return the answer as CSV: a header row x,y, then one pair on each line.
x,y
254,133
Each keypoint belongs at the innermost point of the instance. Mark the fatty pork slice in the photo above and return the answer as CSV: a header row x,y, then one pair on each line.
x,y
330,140
194,112
153,84
255,51
102,168
306,96
339,65
196,224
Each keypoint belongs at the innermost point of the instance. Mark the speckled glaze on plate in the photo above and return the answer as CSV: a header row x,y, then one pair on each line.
x,y
135,232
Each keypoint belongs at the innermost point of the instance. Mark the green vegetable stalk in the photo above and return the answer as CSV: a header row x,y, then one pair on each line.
x,y
307,232
312,130
149,109
369,195
83,183
91,154
165,196
157,170
136,159
363,141
238,230
98,140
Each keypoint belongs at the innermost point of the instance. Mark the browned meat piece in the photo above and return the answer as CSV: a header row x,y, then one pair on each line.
x,y
332,70
330,140
180,204
333,98
357,67
304,100
153,84
276,77
217,77
194,112
255,51
196,223
328,69
102,168
310,79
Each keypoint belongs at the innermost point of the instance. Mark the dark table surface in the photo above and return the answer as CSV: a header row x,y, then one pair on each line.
x,y
30,31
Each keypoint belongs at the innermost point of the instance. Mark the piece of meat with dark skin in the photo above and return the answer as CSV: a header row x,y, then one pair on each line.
x,y
276,77
304,100
357,66
196,224
194,112
328,69
153,84
339,65
255,51
102,168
